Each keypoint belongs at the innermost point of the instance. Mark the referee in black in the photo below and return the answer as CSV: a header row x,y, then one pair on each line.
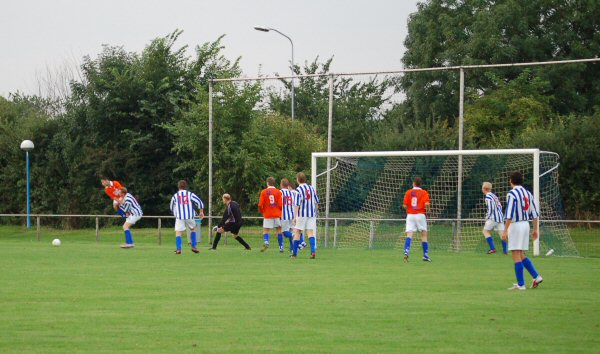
x,y
231,222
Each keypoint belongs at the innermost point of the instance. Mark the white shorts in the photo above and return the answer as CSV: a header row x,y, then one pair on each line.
x,y
286,225
416,222
492,225
182,225
132,219
271,223
518,236
304,223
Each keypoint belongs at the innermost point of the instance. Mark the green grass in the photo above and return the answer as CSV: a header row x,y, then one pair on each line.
x,y
88,296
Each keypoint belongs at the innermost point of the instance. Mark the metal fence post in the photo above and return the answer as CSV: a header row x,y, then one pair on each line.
x,y
38,228
97,229
159,232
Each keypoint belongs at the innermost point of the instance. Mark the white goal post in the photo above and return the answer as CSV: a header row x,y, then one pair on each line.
x,y
458,175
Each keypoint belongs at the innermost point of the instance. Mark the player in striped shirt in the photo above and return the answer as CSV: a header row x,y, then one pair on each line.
x,y
305,212
113,190
520,208
133,212
182,206
416,202
269,205
287,213
292,188
494,218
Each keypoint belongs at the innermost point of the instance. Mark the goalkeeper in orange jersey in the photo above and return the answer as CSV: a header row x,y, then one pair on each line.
x,y
113,190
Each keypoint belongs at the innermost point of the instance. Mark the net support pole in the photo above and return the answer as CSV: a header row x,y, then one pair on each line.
x,y
536,196
328,182
461,122
371,234
335,232
210,157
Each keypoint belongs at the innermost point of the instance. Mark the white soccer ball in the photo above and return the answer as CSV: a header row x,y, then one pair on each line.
x,y
56,242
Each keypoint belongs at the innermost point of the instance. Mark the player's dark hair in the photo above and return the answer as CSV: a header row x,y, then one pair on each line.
x,y
301,177
418,181
182,184
285,182
516,178
292,185
270,181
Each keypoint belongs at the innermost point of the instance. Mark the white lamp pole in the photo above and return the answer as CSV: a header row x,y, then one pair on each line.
x,y
267,29
27,145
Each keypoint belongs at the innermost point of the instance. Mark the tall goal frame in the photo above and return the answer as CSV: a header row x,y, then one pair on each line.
x,y
535,153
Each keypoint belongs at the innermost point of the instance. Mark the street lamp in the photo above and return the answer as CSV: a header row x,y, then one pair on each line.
x,y
267,29
27,145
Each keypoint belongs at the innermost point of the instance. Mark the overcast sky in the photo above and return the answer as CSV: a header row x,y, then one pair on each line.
x,y
361,35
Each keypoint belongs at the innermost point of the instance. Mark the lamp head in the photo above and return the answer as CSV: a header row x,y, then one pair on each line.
x,y
27,145
262,29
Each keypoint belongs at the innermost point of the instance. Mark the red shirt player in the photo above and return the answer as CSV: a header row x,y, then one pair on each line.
x,y
416,203
113,190
269,205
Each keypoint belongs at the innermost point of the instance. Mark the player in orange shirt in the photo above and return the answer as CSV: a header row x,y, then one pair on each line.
x,y
113,190
416,203
269,205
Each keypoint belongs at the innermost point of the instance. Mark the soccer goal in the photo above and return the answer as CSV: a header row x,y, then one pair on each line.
x,y
361,196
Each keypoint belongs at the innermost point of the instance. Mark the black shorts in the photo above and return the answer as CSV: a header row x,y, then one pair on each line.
x,y
233,228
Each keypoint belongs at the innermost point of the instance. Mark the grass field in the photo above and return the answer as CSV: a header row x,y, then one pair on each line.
x,y
88,296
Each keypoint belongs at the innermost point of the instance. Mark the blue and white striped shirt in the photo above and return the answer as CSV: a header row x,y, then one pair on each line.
x,y
287,209
131,206
494,208
182,205
307,201
521,205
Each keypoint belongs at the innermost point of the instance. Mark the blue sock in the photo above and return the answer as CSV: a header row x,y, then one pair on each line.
x,y
407,245
121,212
295,248
490,242
504,245
266,238
313,244
128,237
194,239
530,268
519,273
288,235
302,238
280,240
178,242
425,248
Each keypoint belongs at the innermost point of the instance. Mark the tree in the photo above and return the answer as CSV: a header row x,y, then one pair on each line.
x,y
453,33
357,105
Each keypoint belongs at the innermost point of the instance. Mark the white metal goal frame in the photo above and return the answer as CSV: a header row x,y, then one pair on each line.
x,y
535,153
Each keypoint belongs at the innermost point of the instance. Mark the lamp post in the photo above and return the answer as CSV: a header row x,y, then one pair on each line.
x,y
27,145
267,29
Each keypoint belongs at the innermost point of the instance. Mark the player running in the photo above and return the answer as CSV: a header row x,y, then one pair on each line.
x,y
287,213
269,205
133,212
416,203
494,218
520,208
232,221
182,206
305,213
113,190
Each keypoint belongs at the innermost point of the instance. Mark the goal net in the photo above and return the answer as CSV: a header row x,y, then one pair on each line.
x,y
361,196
